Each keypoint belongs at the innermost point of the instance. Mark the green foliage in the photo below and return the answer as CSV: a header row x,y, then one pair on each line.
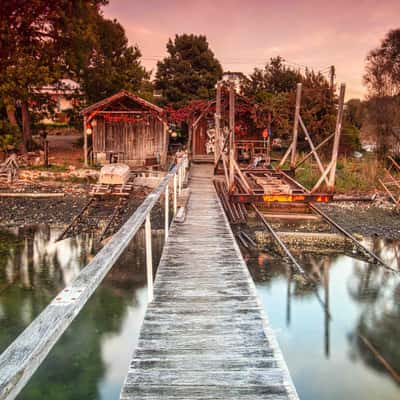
x,y
189,72
352,175
272,91
113,65
50,168
350,139
274,78
9,136
42,42
382,71
355,112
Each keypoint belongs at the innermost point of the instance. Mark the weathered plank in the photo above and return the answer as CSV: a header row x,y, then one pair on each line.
x,y
205,335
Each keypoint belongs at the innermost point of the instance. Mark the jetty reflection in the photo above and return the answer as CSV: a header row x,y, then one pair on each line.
x,y
90,360
363,333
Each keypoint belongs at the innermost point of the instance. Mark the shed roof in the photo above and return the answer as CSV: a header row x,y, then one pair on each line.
x,y
123,93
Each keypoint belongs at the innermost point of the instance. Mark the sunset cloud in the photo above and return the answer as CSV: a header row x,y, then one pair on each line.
x,y
317,33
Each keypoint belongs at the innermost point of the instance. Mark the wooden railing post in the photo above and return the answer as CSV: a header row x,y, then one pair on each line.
x,y
218,142
166,212
149,258
336,140
180,179
175,195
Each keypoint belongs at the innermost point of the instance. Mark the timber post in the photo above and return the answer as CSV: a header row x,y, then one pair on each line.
x,y
166,211
218,141
336,140
231,135
296,128
149,259
175,195
85,143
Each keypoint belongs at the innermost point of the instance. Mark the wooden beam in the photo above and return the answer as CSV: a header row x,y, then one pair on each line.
x,y
85,143
231,136
322,177
313,150
306,157
296,127
242,177
394,163
336,141
218,137
286,155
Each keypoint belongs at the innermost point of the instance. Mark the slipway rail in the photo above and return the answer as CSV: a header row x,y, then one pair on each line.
x,y
23,357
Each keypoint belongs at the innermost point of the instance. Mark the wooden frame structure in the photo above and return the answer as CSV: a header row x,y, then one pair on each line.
x,y
126,128
328,172
267,184
392,184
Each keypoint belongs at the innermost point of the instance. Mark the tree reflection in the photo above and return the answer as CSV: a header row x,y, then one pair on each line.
x,y
379,322
33,269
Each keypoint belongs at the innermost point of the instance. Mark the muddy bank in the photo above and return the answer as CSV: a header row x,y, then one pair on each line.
x,y
60,211
366,219
29,211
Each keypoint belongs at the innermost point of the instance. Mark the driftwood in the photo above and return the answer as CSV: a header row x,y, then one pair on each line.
x,y
9,169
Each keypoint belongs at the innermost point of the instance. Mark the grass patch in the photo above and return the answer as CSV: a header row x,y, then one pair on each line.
x,y
51,168
352,175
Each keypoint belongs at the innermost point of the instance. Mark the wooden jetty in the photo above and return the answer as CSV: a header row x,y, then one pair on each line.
x,y
205,335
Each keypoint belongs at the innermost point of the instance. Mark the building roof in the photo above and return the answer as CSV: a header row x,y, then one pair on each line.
x,y
120,95
63,86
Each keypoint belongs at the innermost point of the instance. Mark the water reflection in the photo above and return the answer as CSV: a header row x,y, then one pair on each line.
x,y
32,270
357,351
92,357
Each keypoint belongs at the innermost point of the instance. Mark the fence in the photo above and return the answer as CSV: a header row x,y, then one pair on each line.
x,y
23,357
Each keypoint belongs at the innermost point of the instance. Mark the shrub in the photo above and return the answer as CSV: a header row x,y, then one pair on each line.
x,y
10,136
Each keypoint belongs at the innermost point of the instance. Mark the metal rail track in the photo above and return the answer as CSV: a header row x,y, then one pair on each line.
x,y
372,255
298,268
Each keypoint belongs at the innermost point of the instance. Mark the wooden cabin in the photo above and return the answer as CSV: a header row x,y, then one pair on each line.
x,y
125,128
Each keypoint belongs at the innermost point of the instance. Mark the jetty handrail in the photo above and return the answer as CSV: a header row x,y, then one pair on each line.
x,y
22,358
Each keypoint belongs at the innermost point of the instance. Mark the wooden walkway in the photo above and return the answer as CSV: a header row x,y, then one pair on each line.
x,y
205,335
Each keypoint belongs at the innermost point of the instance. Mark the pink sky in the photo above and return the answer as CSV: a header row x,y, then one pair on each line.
x,y
244,34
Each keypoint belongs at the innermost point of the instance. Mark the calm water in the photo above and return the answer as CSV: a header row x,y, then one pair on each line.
x,y
328,359
91,359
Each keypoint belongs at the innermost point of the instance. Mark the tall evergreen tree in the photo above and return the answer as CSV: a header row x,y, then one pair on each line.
x,y
190,71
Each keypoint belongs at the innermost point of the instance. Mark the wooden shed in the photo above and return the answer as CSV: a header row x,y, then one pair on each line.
x,y
125,128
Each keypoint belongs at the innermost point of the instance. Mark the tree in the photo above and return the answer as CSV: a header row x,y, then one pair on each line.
x,y
272,91
190,71
42,41
382,78
113,65
355,112
275,78
382,70
32,42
